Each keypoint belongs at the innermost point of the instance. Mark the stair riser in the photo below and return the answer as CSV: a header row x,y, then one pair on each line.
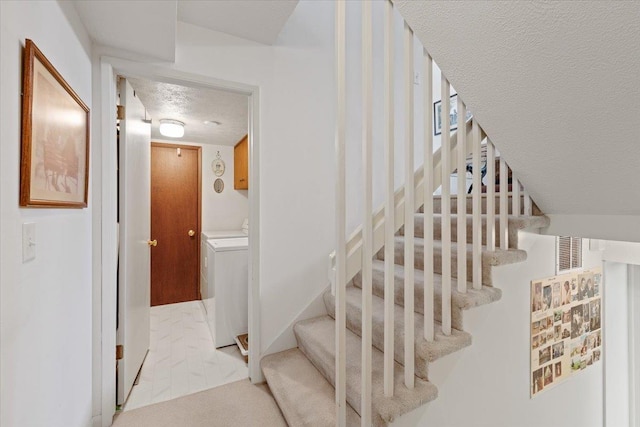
x,y
316,339
353,393
437,205
327,371
289,371
437,230
378,290
354,323
437,262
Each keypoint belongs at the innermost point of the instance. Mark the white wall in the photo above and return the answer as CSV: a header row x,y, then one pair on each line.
x,y
220,211
295,79
616,344
489,381
354,183
45,333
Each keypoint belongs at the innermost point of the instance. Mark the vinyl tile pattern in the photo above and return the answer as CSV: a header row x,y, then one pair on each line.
x,y
182,358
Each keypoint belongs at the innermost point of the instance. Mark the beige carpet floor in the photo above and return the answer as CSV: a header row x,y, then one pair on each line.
x,y
235,404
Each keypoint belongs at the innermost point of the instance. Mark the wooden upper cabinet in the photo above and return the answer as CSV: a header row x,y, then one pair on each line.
x,y
241,164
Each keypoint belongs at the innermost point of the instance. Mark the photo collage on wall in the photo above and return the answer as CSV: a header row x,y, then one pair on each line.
x,y
566,326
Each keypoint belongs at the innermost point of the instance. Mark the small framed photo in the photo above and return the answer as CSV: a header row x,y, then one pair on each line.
x,y
453,115
54,170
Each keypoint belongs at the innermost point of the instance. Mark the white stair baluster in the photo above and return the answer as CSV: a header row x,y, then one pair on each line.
x,y
477,209
428,200
341,260
462,196
446,207
528,208
409,203
491,196
389,208
367,224
504,208
515,196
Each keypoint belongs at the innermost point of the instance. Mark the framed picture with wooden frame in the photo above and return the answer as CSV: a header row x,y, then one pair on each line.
x,y
54,170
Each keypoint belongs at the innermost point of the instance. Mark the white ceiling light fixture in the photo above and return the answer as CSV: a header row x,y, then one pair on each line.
x,y
171,128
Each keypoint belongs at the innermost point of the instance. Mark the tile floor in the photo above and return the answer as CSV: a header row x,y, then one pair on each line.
x,y
182,359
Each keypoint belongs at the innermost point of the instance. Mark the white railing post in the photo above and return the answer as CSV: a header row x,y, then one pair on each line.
x,y
408,212
389,208
504,208
367,225
341,264
515,195
445,161
476,264
462,196
491,196
528,208
429,327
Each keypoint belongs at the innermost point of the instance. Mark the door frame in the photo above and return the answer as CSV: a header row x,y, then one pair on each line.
x,y
199,232
104,187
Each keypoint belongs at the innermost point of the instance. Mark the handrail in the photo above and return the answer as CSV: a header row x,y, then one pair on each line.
x,y
354,242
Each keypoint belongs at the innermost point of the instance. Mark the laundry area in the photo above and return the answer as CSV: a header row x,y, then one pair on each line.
x,y
224,279
196,308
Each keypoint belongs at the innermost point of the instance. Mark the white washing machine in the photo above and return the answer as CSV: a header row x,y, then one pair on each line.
x,y
227,298
206,236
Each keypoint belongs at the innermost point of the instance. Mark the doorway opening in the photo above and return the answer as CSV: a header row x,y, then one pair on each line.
x,y
218,163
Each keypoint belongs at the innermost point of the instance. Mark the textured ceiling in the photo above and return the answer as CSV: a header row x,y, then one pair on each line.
x,y
141,27
556,85
193,106
257,20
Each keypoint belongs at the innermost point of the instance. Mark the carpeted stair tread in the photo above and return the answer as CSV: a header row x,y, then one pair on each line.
x,y
304,396
515,224
489,258
316,338
463,300
425,351
459,300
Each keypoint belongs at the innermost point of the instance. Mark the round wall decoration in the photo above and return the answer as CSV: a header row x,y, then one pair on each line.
x,y
218,185
218,166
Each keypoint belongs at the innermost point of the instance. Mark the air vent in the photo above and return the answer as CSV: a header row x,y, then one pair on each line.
x,y
568,253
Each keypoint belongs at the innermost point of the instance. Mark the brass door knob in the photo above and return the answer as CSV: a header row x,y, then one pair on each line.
x,y
191,233
152,242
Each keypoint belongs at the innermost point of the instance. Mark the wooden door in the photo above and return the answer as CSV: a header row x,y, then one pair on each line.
x,y
133,281
175,223
241,164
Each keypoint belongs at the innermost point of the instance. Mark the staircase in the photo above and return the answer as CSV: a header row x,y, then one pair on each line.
x,y
302,379
405,277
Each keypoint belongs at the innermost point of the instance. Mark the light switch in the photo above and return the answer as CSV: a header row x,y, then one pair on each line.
x,y
28,241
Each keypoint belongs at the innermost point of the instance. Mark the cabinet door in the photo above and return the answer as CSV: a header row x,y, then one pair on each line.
x,y
241,164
